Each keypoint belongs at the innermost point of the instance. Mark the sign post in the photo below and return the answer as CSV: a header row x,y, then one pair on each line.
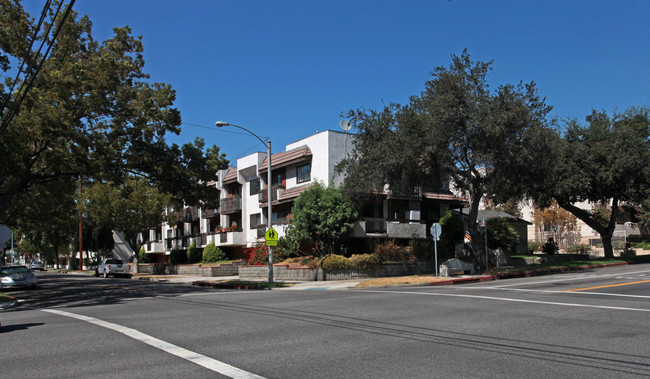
x,y
436,230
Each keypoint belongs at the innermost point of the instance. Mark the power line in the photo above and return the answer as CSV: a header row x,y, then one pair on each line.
x,y
5,122
46,7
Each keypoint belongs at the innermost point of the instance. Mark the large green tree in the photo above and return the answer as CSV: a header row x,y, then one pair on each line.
x,y
91,112
131,207
49,221
606,162
489,142
323,217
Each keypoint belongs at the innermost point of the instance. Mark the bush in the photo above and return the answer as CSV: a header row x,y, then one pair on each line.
x,y
211,254
645,245
390,251
501,234
143,257
259,255
194,255
177,257
578,249
308,261
534,247
365,262
334,262
421,249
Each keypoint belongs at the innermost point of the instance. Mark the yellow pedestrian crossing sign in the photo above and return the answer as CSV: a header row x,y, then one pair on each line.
x,y
271,237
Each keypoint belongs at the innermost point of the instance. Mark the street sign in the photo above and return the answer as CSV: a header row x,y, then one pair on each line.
x,y
271,237
481,223
435,231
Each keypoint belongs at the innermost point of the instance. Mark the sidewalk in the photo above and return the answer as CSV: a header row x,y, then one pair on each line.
x,y
233,282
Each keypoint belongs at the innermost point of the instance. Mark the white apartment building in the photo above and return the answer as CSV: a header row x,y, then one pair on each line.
x,y
241,220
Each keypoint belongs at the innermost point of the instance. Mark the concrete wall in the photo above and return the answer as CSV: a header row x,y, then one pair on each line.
x,y
284,273
229,269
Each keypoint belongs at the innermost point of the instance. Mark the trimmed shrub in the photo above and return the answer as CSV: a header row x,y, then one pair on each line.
x,y
365,262
334,262
194,255
578,249
211,254
177,257
143,257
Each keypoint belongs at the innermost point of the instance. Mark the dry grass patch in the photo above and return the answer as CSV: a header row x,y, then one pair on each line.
x,y
400,280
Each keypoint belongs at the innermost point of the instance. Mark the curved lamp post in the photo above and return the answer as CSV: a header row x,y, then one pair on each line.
x,y
220,124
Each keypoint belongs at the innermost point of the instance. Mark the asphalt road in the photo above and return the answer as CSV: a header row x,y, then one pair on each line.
x,y
592,324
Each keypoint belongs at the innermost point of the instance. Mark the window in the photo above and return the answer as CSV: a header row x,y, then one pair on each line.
x,y
303,173
277,178
256,220
255,187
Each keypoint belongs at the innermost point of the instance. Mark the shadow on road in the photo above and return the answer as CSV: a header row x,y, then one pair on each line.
x,y
13,328
61,290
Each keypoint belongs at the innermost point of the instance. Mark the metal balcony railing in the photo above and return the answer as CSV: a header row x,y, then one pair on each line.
x,y
375,225
231,205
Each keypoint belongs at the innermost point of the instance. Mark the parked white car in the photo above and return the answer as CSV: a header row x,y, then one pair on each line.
x,y
37,266
112,266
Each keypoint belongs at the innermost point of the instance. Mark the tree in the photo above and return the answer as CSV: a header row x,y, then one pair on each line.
x,y
556,221
491,143
605,162
49,221
131,207
501,234
324,217
91,112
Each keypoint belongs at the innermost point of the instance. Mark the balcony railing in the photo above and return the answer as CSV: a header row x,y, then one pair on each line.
x,y
276,192
189,214
375,225
231,205
209,213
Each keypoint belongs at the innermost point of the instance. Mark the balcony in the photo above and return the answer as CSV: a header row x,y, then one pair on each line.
x,y
276,192
210,213
188,214
155,247
389,229
230,205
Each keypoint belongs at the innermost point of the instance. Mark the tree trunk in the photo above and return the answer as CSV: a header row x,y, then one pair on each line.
x,y
606,232
472,226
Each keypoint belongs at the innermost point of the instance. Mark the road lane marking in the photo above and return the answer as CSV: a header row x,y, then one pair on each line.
x,y
606,286
512,300
196,358
553,291
573,277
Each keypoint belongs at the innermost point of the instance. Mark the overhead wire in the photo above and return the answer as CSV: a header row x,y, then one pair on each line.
x,y
46,8
5,122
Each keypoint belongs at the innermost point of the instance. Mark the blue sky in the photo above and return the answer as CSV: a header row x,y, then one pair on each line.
x,y
286,69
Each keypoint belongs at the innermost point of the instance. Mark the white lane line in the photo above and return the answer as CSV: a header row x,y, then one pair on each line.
x,y
558,292
564,279
199,359
512,300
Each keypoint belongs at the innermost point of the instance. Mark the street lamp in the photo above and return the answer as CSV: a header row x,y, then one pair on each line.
x,y
220,124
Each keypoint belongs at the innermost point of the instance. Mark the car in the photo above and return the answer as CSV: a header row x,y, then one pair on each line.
x,y
17,276
37,266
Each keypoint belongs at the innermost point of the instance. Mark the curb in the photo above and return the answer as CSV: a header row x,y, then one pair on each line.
x,y
230,286
523,274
